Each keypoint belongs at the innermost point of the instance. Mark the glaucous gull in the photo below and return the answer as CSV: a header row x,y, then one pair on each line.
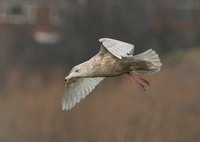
x,y
115,58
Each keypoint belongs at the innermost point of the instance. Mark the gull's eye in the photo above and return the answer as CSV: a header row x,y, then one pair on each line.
x,y
76,70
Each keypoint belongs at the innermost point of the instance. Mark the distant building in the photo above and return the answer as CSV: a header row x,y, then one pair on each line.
x,y
46,18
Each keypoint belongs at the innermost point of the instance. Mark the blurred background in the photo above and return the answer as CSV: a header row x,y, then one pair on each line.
x,y
40,41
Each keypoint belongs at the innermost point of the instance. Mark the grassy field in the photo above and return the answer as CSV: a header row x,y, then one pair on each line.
x,y
116,111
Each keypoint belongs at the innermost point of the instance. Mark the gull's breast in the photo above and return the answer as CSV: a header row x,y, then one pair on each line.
x,y
109,67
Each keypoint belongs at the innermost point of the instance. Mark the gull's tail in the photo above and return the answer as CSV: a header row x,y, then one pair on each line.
x,y
147,62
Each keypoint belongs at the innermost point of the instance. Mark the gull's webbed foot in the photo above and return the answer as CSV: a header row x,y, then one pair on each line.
x,y
139,84
140,77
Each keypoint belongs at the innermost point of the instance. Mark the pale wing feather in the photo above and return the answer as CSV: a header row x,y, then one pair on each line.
x,y
118,48
77,89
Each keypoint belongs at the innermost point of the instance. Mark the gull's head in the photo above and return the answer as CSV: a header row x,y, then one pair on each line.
x,y
77,71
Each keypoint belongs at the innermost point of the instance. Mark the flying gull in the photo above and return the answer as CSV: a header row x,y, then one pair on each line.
x,y
115,58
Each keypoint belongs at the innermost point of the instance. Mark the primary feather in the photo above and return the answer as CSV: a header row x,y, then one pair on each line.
x,y
117,48
77,89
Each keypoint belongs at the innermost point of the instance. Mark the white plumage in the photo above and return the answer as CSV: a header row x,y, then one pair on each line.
x,y
117,48
77,89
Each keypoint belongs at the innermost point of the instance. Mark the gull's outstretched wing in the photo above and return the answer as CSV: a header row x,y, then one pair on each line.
x,y
117,48
77,89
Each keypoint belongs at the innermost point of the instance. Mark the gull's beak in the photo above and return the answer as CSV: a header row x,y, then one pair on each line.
x,y
68,77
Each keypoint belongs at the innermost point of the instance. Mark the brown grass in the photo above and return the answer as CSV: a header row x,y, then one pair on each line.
x,y
116,111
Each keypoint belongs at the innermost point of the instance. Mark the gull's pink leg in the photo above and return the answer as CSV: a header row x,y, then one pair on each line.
x,y
141,77
140,85
144,80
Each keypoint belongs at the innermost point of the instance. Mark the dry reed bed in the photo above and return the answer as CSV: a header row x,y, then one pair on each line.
x,y
116,111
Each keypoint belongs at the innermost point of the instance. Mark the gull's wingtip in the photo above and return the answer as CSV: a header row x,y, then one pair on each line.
x,y
63,107
103,39
66,107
